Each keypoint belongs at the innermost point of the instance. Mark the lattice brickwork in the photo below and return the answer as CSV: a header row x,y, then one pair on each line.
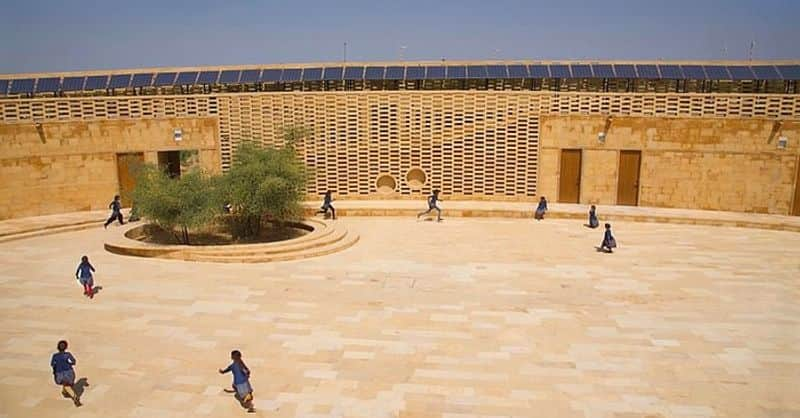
x,y
468,143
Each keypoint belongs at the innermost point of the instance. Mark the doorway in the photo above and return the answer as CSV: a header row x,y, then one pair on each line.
x,y
127,168
569,183
628,182
170,163
796,204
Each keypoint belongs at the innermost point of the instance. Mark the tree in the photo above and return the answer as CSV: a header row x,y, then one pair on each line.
x,y
190,201
264,184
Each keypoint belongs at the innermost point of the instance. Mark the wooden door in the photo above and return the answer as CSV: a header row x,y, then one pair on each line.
x,y
628,183
569,183
127,167
796,204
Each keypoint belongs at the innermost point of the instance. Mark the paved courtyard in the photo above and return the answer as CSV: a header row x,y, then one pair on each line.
x,y
466,318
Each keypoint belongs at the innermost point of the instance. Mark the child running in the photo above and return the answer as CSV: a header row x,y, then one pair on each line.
x,y
62,363
432,204
609,243
326,204
593,222
241,380
84,275
116,212
541,209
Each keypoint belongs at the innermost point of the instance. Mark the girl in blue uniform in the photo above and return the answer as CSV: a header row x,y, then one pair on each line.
x,y
609,243
326,205
593,221
63,364
432,200
241,380
116,212
541,209
84,275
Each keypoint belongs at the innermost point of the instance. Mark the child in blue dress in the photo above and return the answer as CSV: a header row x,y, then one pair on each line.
x,y
609,243
241,380
593,221
84,275
63,364
541,209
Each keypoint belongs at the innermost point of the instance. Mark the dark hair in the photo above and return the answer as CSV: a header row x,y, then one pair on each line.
x,y
84,259
608,226
236,354
62,345
116,196
541,198
593,207
327,192
435,191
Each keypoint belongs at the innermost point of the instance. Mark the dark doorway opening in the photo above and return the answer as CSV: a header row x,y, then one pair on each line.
x,y
170,163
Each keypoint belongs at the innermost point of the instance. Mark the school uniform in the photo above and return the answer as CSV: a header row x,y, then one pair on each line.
x,y
62,363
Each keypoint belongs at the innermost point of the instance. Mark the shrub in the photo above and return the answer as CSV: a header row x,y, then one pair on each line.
x,y
177,205
264,184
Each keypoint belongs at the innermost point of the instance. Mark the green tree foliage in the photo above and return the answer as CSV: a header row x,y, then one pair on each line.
x,y
264,184
177,205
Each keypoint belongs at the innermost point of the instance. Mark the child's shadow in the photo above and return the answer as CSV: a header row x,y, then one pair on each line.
x,y
240,400
80,386
97,289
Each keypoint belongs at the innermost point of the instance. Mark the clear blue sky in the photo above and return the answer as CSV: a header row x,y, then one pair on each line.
x,y
48,35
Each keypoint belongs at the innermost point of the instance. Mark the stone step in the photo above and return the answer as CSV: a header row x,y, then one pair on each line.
x,y
50,231
329,235
347,241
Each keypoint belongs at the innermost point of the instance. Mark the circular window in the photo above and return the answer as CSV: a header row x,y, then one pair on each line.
x,y
386,184
415,178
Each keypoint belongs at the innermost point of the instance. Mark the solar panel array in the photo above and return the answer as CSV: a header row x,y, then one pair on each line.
x,y
411,73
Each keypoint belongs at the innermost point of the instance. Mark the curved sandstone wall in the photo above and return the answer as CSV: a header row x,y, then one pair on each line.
x,y
698,151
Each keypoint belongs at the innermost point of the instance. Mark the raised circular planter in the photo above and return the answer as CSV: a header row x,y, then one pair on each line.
x,y
323,238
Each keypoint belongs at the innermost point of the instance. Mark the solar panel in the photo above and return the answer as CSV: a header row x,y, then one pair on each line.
x,y
539,71
229,77
582,71
789,72
477,71
741,72
395,73
22,86
354,73
291,75
95,82
250,76
415,73
75,84
625,71
496,71
717,72
142,80
602,70
333,73
48,85
312,74
765,72
120,81
671,72
457,72
165,79
693,72
517,71
560,71
434,72
208,77
648,71
187,78
273,75
3,87
374,73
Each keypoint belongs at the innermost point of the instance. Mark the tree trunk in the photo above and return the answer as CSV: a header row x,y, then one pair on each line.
x,y
185,236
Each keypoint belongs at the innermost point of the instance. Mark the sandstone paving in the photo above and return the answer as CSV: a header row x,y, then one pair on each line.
x,y
464,318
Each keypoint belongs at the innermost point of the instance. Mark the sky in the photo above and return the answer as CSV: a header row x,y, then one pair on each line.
x,y
50,36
